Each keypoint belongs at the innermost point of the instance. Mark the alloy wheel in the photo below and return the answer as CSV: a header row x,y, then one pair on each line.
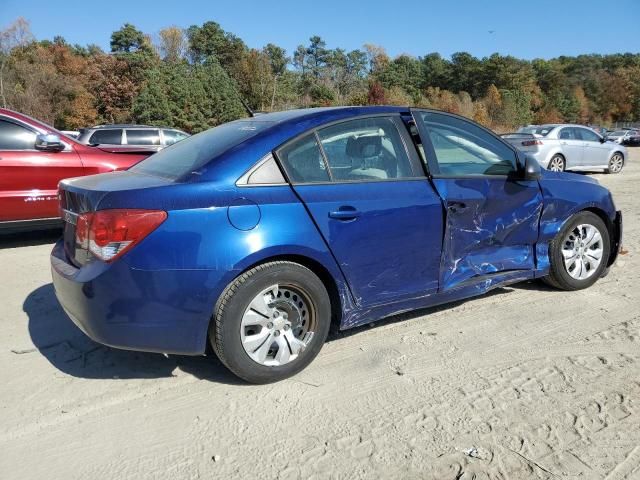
x,y
616,163
277,325
582,250
556,164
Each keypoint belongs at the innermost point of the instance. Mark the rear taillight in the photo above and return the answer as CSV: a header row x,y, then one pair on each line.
x,y
110,233
531,143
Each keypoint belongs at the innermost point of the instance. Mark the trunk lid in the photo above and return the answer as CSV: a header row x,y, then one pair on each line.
x,y
85,194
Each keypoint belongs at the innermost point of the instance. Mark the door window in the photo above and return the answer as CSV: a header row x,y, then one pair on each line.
x,y
111,136
16,137
567,134
462,148
171,136
587,135
366,149
143,137
302,159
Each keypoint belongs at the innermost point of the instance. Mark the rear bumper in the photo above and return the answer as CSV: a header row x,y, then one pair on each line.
x,y
164,311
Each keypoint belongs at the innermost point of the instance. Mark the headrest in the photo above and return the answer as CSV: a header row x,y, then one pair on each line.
x,y
364,147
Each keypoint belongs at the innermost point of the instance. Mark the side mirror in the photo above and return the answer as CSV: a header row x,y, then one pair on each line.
x,y
602,139
532,170
49,143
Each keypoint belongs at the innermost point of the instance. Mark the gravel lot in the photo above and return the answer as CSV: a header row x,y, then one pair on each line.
x,y
525,382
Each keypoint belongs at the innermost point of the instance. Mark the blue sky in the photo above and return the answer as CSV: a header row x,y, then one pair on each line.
x,y
540,28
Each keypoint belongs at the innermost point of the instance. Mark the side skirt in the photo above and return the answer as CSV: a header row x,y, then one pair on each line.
x,y
461,292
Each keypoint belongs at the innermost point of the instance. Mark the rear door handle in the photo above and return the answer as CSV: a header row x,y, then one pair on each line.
x,y
345,213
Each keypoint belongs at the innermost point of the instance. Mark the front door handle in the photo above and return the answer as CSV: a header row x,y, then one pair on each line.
x,y
456,207
345,213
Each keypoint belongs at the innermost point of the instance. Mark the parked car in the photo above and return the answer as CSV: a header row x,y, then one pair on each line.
x,y
560,147
625,137
34,157
71,133
256,235
151,137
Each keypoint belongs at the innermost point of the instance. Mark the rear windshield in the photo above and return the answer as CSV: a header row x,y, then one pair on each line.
x,y
536,130
191,154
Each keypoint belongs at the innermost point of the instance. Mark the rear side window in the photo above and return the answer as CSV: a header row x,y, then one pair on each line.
x,y
302,159
365,149
143,137
567,134
111,136
193,153
15,137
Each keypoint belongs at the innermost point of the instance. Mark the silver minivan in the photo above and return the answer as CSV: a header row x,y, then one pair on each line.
x,y
154,138
560,147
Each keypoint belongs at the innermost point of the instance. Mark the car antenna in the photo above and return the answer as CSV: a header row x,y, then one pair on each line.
x,y
247,108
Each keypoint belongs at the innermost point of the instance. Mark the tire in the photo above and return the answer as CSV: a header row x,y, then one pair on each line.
x,y
616,163
557,163
293,318
565,275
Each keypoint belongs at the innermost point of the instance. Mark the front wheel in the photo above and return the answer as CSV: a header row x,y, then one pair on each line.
x,y
557,163
271,322
616,162
580,252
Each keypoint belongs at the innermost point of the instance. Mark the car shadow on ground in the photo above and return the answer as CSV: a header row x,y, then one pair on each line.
x,y
29,239
69,350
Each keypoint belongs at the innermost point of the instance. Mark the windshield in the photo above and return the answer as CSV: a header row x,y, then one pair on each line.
x,y
536,130
191,154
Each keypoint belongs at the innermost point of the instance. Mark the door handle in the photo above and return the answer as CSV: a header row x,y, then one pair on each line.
x,y
456,207
345,213
563,143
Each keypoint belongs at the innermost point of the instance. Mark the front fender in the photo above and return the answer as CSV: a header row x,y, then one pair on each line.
x,y
564,195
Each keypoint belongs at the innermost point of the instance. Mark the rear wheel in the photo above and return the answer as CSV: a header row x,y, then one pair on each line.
x,y
616,163
580,252
271,322
557,163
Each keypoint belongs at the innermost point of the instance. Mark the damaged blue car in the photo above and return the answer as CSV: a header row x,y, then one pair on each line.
x,y
255,236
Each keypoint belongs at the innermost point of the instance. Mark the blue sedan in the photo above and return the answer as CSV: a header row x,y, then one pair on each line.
x,y
257,235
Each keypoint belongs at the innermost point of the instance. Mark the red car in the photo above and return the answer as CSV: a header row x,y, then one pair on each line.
x,y
34,157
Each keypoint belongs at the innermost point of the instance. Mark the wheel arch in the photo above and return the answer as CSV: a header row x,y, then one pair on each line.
x,y
611,229
338,302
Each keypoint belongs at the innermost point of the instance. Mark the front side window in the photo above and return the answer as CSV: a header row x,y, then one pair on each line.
x,y
463,148
365,149
143,137
588,135
15,137
173,136
302,159
111,136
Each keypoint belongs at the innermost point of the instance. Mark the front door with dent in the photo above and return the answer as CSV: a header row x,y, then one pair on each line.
x,y
491,224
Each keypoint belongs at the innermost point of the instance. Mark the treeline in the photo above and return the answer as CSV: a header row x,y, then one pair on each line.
x,y
197,77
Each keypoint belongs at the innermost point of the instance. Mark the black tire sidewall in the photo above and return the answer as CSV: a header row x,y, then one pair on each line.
x,y
560,274
227,330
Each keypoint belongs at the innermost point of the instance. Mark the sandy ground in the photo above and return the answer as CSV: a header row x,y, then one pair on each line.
x,y
525,382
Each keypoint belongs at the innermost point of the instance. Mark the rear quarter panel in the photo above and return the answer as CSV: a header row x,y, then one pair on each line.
x,y
206,251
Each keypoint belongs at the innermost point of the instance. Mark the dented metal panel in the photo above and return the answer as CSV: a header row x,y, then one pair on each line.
x,y
491,227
